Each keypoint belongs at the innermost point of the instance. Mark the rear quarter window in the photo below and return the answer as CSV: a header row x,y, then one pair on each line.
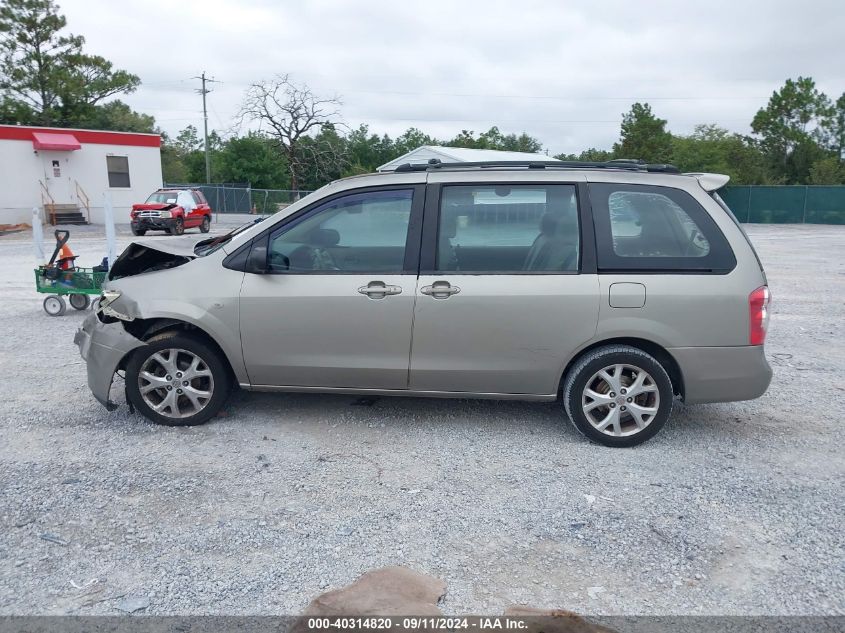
x,y
651,228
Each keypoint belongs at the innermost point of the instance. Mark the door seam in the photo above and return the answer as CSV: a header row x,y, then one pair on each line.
x,y
413,319
240,334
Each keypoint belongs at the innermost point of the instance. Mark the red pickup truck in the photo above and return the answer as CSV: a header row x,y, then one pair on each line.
x,y
171,210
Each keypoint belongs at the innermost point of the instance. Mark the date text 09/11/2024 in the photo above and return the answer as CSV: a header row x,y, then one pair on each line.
x,y
418,623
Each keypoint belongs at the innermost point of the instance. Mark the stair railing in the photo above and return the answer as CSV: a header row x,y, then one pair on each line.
x,y
83,199
48,202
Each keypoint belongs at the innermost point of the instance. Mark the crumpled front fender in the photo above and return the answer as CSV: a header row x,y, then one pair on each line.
x,y
103,346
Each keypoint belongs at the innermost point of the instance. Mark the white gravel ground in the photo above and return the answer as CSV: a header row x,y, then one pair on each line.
x,y
731,509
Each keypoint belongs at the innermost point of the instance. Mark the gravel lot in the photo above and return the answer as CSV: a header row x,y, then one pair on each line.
x,y
731,509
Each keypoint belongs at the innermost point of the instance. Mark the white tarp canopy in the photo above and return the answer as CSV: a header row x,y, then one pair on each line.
x,y
424,153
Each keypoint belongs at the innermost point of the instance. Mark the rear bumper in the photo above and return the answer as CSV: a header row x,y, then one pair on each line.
x,y
723,374
103,346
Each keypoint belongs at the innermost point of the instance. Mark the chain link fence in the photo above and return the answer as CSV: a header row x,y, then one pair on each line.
x,y
786,204
225,198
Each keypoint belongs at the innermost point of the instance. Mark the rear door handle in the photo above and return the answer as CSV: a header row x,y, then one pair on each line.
x,y
379,290
440,290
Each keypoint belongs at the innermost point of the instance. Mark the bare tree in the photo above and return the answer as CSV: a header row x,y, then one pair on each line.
x,y
290,111
324,156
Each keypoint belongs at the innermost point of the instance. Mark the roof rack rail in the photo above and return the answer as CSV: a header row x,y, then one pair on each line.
x,y
619,163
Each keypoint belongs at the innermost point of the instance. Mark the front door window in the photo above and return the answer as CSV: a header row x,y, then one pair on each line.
x,y
359,233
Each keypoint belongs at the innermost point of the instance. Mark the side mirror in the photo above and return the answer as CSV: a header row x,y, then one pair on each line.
x,y
256,261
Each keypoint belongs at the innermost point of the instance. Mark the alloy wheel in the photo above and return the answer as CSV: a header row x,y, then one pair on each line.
x,y
620,400
175,383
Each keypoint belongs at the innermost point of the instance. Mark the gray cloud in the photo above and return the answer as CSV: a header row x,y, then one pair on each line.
x,y
561,71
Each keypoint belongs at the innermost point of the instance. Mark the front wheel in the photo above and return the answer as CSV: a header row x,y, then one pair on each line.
x,y
618,395
54,305
205,227
177,380
178,227
137,230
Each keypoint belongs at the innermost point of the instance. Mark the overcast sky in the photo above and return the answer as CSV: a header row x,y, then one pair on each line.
x,y
563,71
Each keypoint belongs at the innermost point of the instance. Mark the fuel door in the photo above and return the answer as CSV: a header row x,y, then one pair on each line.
x,y
627,295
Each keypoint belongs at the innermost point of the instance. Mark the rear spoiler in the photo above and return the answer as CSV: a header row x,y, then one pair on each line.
x,y
710,182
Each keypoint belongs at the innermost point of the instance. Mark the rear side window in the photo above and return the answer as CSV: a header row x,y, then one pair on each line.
x,y
508,229
733,217
642,227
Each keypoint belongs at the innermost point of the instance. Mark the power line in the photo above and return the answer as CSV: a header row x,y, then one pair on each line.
x,y
528,120
464,95
164,82
545,97
204,91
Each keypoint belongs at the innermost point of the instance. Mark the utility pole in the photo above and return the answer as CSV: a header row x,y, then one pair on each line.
x,y
204,91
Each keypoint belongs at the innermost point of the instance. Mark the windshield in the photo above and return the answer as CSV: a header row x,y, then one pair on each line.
x,y
207,247
163,197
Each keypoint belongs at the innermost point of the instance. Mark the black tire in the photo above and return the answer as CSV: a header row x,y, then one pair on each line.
x,y
79,302
137,231
178,227
586,368
54,305
211,358
205,227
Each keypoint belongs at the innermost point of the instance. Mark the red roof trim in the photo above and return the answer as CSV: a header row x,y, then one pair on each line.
x,y
50,140
25,133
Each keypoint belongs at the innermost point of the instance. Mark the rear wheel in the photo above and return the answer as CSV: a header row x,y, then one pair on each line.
x,y
80,302
177,380
178,227
618,395
54,305
205,227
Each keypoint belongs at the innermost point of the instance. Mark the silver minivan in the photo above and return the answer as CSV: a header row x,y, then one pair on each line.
x,y
612,287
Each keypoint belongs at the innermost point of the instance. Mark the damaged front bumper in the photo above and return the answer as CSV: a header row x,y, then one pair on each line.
x,y
103,346
153,223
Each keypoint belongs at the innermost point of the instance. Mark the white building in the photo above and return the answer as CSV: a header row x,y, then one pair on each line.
x,y
424,153
66,172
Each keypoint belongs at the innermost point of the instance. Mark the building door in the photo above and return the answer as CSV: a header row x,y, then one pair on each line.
x,y
57,177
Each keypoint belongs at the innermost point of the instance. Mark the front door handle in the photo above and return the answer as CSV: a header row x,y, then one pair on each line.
x,y
440,290
379,290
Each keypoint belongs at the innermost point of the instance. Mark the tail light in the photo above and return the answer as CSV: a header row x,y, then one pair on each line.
x,y
758,315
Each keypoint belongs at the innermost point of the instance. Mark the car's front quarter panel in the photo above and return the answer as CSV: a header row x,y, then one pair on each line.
x,y
202,293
